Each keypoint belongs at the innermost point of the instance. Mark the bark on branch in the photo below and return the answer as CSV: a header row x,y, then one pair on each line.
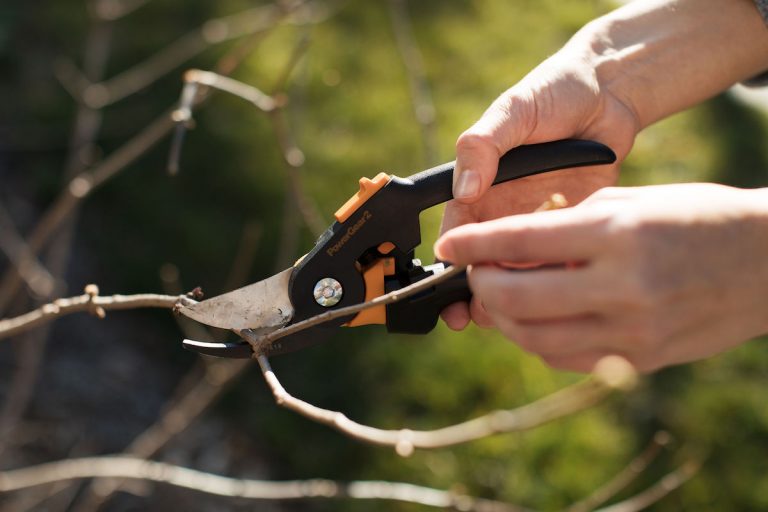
x,y
142,469
610,374
91,302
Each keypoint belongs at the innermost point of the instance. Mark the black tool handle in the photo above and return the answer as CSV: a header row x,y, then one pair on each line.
x,y
434,186
391,214
418,315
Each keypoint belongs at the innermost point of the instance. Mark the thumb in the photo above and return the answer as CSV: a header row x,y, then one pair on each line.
x,y
507,123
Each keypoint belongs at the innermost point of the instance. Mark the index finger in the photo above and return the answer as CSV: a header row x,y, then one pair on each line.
x,y
558,236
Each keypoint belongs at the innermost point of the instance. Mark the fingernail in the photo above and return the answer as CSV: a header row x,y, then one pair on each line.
x,y
467,186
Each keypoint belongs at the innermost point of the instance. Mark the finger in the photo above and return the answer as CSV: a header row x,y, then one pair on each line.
x,y
456,316
538,294
558,236
456,214
561,337
479,315
506,124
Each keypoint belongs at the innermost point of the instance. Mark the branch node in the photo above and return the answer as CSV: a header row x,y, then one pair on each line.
x,y
96,96
616,373
196,293
80,186
404,446
51,309
92,290
182,115
339,419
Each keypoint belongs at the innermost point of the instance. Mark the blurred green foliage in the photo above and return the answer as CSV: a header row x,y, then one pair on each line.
x,y
352,115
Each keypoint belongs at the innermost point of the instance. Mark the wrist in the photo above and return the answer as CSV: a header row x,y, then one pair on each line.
x,y
661,56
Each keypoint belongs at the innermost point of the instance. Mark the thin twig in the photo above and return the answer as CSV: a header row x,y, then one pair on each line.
x,y
78,189
136,468
653,494
262,343
215,31
169,277
182,116
244,256
85,183
198,390
191,96
178,415
273,105
610,374
260,100
29,268
31,352
91,302
624,477
293,158
421,97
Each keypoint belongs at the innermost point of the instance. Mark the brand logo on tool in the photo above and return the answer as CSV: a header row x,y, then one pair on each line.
x,y
354,228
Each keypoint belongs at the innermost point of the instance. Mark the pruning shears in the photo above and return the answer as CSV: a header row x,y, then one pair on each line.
x,y
367,252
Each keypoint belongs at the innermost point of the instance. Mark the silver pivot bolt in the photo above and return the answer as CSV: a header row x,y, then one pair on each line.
x,y
328,292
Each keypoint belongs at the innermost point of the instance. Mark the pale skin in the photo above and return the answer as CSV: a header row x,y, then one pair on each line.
x,y
660,275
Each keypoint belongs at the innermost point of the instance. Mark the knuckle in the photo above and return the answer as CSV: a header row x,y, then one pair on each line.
x,y
474,140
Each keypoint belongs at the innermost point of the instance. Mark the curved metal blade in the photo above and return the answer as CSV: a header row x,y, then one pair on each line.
x,y
243,350
261,305
236,349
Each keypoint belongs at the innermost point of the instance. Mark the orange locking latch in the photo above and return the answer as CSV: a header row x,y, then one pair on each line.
x,y
368,187
374,287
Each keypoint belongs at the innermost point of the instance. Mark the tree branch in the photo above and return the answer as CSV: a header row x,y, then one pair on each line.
x,y
84,183
262,343
91,302
610,374
624,477
421,97
214,31
648,497
136,468
141,469
273,105
28,267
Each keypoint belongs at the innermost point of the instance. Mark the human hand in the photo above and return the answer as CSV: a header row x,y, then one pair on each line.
x,y
659,275
618,74
561,98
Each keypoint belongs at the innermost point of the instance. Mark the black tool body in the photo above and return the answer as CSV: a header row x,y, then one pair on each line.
x,y
392,215
383,224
